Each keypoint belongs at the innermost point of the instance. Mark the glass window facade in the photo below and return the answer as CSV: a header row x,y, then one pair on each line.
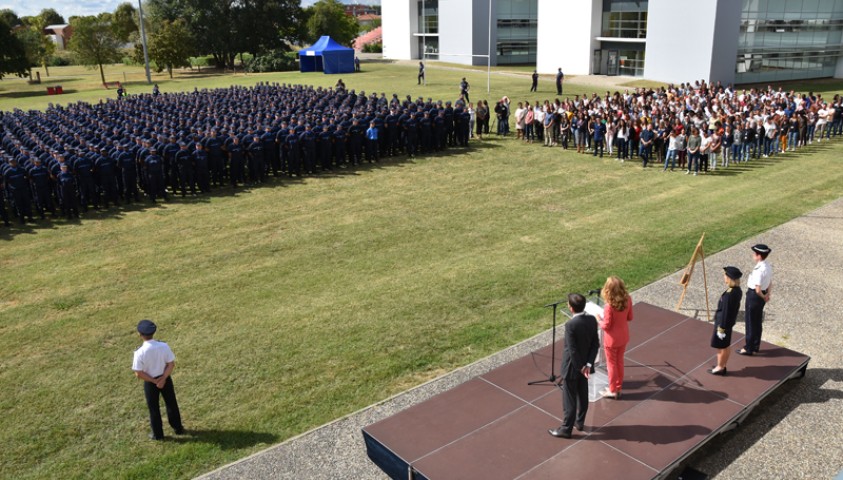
x,y
789,40
517,36
624,18
428,16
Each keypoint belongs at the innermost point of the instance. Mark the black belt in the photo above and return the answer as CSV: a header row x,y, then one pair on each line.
x,y
753,290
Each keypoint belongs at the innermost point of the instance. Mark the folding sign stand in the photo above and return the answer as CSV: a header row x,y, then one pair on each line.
x,y
698,254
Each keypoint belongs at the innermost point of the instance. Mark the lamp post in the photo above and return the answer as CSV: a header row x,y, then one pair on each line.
x,y
143,41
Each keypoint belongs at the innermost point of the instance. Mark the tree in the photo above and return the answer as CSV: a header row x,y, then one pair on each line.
x,y
10,18
94,43
123,21
226,28
170,46
49,16
12,53
33,46
45,48
327,17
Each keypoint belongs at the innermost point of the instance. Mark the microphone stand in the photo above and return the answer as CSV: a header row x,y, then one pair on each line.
x,y
552,378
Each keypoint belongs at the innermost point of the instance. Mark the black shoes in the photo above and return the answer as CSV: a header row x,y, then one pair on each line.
x,y
560,432
744,351
580,427
153,437
721,372
181,431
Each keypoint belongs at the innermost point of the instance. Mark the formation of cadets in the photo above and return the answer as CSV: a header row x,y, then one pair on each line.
x,y
69,159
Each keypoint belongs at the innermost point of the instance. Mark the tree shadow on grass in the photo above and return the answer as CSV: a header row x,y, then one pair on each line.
x,y
226,439
33,93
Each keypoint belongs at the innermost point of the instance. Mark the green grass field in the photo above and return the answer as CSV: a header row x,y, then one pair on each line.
x,y
296,303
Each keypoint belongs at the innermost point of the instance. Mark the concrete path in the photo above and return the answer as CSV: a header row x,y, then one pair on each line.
x,y
796,433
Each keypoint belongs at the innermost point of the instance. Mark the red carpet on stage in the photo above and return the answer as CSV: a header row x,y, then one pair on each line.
x,y
495,425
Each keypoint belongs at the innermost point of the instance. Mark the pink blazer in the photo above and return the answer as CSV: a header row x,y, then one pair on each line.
x,y
615,325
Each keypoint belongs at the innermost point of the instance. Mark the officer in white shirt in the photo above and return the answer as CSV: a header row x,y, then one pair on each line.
x,y
154,363
759,286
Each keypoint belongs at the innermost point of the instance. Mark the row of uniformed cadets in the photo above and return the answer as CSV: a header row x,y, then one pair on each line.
x,y
188,141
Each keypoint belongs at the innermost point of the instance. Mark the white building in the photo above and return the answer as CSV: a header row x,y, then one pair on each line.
x,y
733,41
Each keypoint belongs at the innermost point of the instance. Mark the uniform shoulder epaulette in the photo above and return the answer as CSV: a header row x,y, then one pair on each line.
x,y
729,290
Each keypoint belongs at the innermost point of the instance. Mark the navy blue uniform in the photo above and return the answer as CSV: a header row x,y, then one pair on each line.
x,y
154,167
106,171
17,186
42,187
67,193
83,170
236,164
184,165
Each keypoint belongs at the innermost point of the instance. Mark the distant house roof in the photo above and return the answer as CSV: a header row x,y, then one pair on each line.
x,y
56,27
368,17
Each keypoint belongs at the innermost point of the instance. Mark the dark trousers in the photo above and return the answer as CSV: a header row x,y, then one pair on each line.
x,y
754,317
152,393
575,400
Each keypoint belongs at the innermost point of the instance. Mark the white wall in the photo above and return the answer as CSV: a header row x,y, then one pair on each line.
x,y
567,29
690,40
399,24
456,27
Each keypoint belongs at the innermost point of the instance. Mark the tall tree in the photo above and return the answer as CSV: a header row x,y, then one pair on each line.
x,y
12,53
124,21
33,46
94,43
171,45
327,17
10,18
49,16
47,48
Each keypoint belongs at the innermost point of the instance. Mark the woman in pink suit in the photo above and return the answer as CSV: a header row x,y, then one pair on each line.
x,y
616,315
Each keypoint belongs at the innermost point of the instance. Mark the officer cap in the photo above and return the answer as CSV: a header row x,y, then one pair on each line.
x,y
733,272
146,327
761,249
182,144
63,166
153,150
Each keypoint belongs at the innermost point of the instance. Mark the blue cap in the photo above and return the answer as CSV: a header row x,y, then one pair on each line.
x,y
146,327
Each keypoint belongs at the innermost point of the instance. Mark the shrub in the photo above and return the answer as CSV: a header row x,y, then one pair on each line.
x,y
373,48
274,61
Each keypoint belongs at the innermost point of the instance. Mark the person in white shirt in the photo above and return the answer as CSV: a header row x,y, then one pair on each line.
x,y
759,287
154,363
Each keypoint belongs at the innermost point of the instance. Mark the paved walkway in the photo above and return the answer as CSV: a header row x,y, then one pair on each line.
x,y
795,433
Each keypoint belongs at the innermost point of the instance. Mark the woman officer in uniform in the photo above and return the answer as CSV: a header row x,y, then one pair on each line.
x,y
724,318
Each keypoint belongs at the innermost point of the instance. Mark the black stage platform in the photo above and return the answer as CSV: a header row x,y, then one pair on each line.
x,y
495,425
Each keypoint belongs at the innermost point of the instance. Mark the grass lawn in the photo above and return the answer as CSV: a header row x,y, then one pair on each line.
x,y
301,301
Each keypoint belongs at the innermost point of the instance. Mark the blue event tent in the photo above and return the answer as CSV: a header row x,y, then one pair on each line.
x,y
328,56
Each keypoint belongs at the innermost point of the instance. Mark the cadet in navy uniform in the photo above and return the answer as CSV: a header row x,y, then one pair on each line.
x,y
129,172
236,162
83,169
40,178
426,132
183,160
67,192
340,137
154,167
270,152
355,141
213,147
153,363
393,133
17,186
105,168
202,168
724,318
3,213
307,141
293,153
256,165
326,146
759,287
411,134
581,345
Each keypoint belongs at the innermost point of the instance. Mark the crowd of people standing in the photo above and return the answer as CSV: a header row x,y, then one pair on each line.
x,y
84,156
697,127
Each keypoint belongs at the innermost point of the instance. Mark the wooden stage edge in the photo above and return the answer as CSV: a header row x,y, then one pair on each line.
x,y
494,426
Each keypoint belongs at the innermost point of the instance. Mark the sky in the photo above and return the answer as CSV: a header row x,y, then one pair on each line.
x,y
92,7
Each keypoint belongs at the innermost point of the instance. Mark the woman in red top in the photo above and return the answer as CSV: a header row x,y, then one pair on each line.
x,y
616,315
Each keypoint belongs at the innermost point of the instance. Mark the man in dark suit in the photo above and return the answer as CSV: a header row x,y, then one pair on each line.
x,y
581,345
